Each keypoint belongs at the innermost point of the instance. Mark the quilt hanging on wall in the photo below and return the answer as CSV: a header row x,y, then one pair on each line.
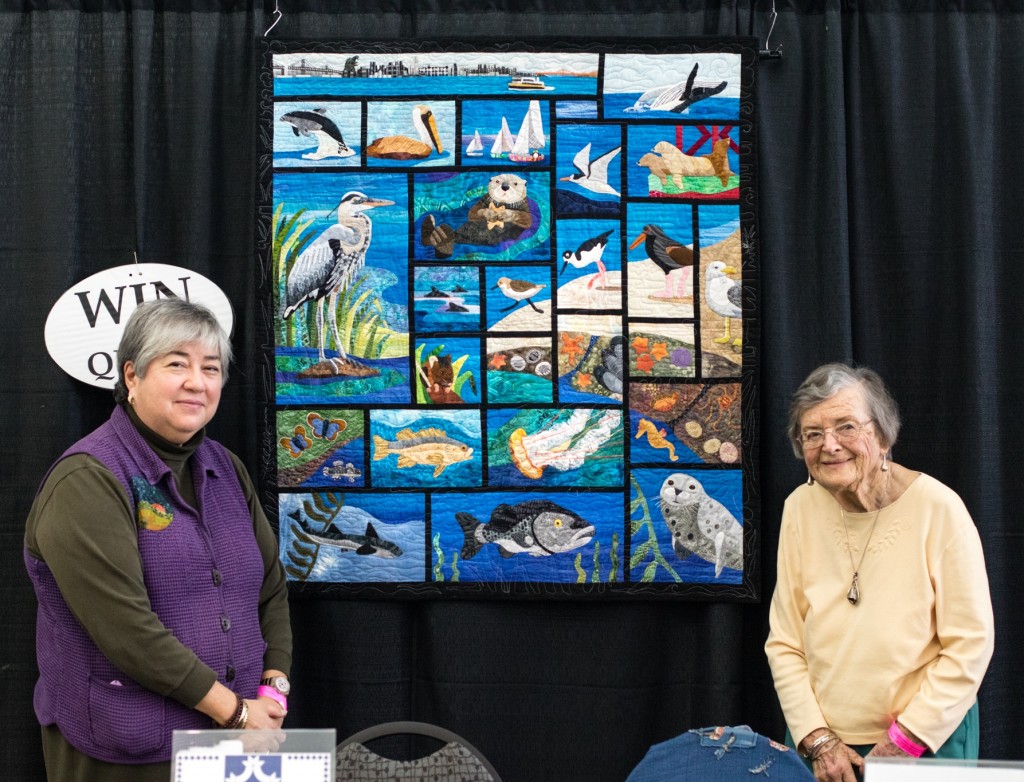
x,y
510,299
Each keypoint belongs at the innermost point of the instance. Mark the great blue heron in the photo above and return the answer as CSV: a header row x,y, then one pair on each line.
x,y
328,265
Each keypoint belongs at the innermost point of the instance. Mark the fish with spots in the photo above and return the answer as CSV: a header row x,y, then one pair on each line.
x,y
539,528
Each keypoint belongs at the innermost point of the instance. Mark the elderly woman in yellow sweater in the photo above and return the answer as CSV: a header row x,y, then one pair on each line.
x,y
881,621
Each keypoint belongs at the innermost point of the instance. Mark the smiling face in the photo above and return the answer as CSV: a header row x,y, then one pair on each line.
x,y
844,467
180,391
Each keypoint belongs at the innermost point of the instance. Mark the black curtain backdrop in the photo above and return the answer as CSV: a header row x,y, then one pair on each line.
x,y
890,189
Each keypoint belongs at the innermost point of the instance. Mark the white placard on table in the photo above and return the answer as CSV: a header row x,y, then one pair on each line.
x,y
242,756
936,770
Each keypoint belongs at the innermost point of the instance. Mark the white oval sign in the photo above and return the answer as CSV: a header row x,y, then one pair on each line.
x,y
85,324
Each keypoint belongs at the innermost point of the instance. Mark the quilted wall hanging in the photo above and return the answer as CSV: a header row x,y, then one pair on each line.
x,y
510,318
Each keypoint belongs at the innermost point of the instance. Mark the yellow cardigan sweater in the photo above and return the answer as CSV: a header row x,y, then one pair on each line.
x,y
918,642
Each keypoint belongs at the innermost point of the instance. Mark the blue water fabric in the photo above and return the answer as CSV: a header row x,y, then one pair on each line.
x,y
720,754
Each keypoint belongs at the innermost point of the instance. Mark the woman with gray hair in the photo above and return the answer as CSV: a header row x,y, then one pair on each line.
x,y
162,603
881,621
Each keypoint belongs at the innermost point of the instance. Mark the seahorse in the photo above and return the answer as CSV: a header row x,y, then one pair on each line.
x,y
656,437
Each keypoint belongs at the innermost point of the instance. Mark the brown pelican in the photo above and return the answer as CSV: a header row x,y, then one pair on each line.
x,y
328,265
405,148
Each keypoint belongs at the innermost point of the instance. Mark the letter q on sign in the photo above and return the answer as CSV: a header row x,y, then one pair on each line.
x,y
85,324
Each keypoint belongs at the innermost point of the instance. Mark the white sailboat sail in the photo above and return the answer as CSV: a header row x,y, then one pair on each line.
x,y
531,132
503,142
476,146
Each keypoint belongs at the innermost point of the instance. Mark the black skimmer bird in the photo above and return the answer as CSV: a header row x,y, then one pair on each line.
x,y
587,253
669,256
592,174
328,265
519,290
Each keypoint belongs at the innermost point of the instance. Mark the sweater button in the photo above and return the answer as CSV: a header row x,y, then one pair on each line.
x,y
217,578
225,624
229,673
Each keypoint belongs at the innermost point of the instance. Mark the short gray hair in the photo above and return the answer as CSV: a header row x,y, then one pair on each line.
x,y
829,379
156,328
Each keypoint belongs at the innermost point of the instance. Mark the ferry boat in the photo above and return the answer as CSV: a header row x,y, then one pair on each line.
x,y
528,84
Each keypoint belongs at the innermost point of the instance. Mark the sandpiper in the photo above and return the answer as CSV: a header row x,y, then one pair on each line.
x,y
519,290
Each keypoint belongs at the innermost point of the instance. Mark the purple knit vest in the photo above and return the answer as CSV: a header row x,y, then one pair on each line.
x,y
203,572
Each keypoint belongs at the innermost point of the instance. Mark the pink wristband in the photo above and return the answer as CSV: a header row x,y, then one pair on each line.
x,y
899,738
263,691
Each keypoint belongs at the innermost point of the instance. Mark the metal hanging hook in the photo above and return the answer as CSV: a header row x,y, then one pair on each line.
x,y
767,53
277,18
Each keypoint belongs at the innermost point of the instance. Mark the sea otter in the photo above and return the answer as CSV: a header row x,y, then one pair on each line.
x,y
501,215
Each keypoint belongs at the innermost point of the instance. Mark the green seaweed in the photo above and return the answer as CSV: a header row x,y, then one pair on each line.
x,y
321,507
650,545
613,556
438,558
581,574
455,565
595,577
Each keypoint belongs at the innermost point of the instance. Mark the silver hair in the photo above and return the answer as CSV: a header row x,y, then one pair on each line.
x,y
829,379
156,328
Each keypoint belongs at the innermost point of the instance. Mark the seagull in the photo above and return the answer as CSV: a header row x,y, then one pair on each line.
x,y
669,255
405,148
587,253
329,264
592,174
518,290
724,297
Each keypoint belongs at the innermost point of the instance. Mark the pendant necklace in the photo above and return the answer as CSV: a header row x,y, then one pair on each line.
x,y
854,594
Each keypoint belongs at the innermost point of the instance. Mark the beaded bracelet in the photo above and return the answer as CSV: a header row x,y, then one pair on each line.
x,y
901,740
238,719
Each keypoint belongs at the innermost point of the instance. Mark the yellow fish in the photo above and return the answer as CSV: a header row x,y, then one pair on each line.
x,y
429,447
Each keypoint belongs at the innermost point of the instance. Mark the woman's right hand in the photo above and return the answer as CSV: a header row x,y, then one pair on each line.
x,y
838,763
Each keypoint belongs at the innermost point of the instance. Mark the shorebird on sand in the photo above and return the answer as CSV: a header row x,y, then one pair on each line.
x,y
519,290
725,297
669,255
587,253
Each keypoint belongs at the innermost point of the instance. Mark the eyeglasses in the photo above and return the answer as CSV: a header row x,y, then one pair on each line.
x,y
844,433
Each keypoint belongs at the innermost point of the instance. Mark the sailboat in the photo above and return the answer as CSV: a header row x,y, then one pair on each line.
x,y
530,140
503,142
476,146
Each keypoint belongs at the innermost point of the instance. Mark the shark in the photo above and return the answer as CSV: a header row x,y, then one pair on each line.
x,y
369,544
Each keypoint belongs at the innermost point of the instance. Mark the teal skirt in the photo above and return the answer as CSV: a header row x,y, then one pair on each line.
x,y
962,745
